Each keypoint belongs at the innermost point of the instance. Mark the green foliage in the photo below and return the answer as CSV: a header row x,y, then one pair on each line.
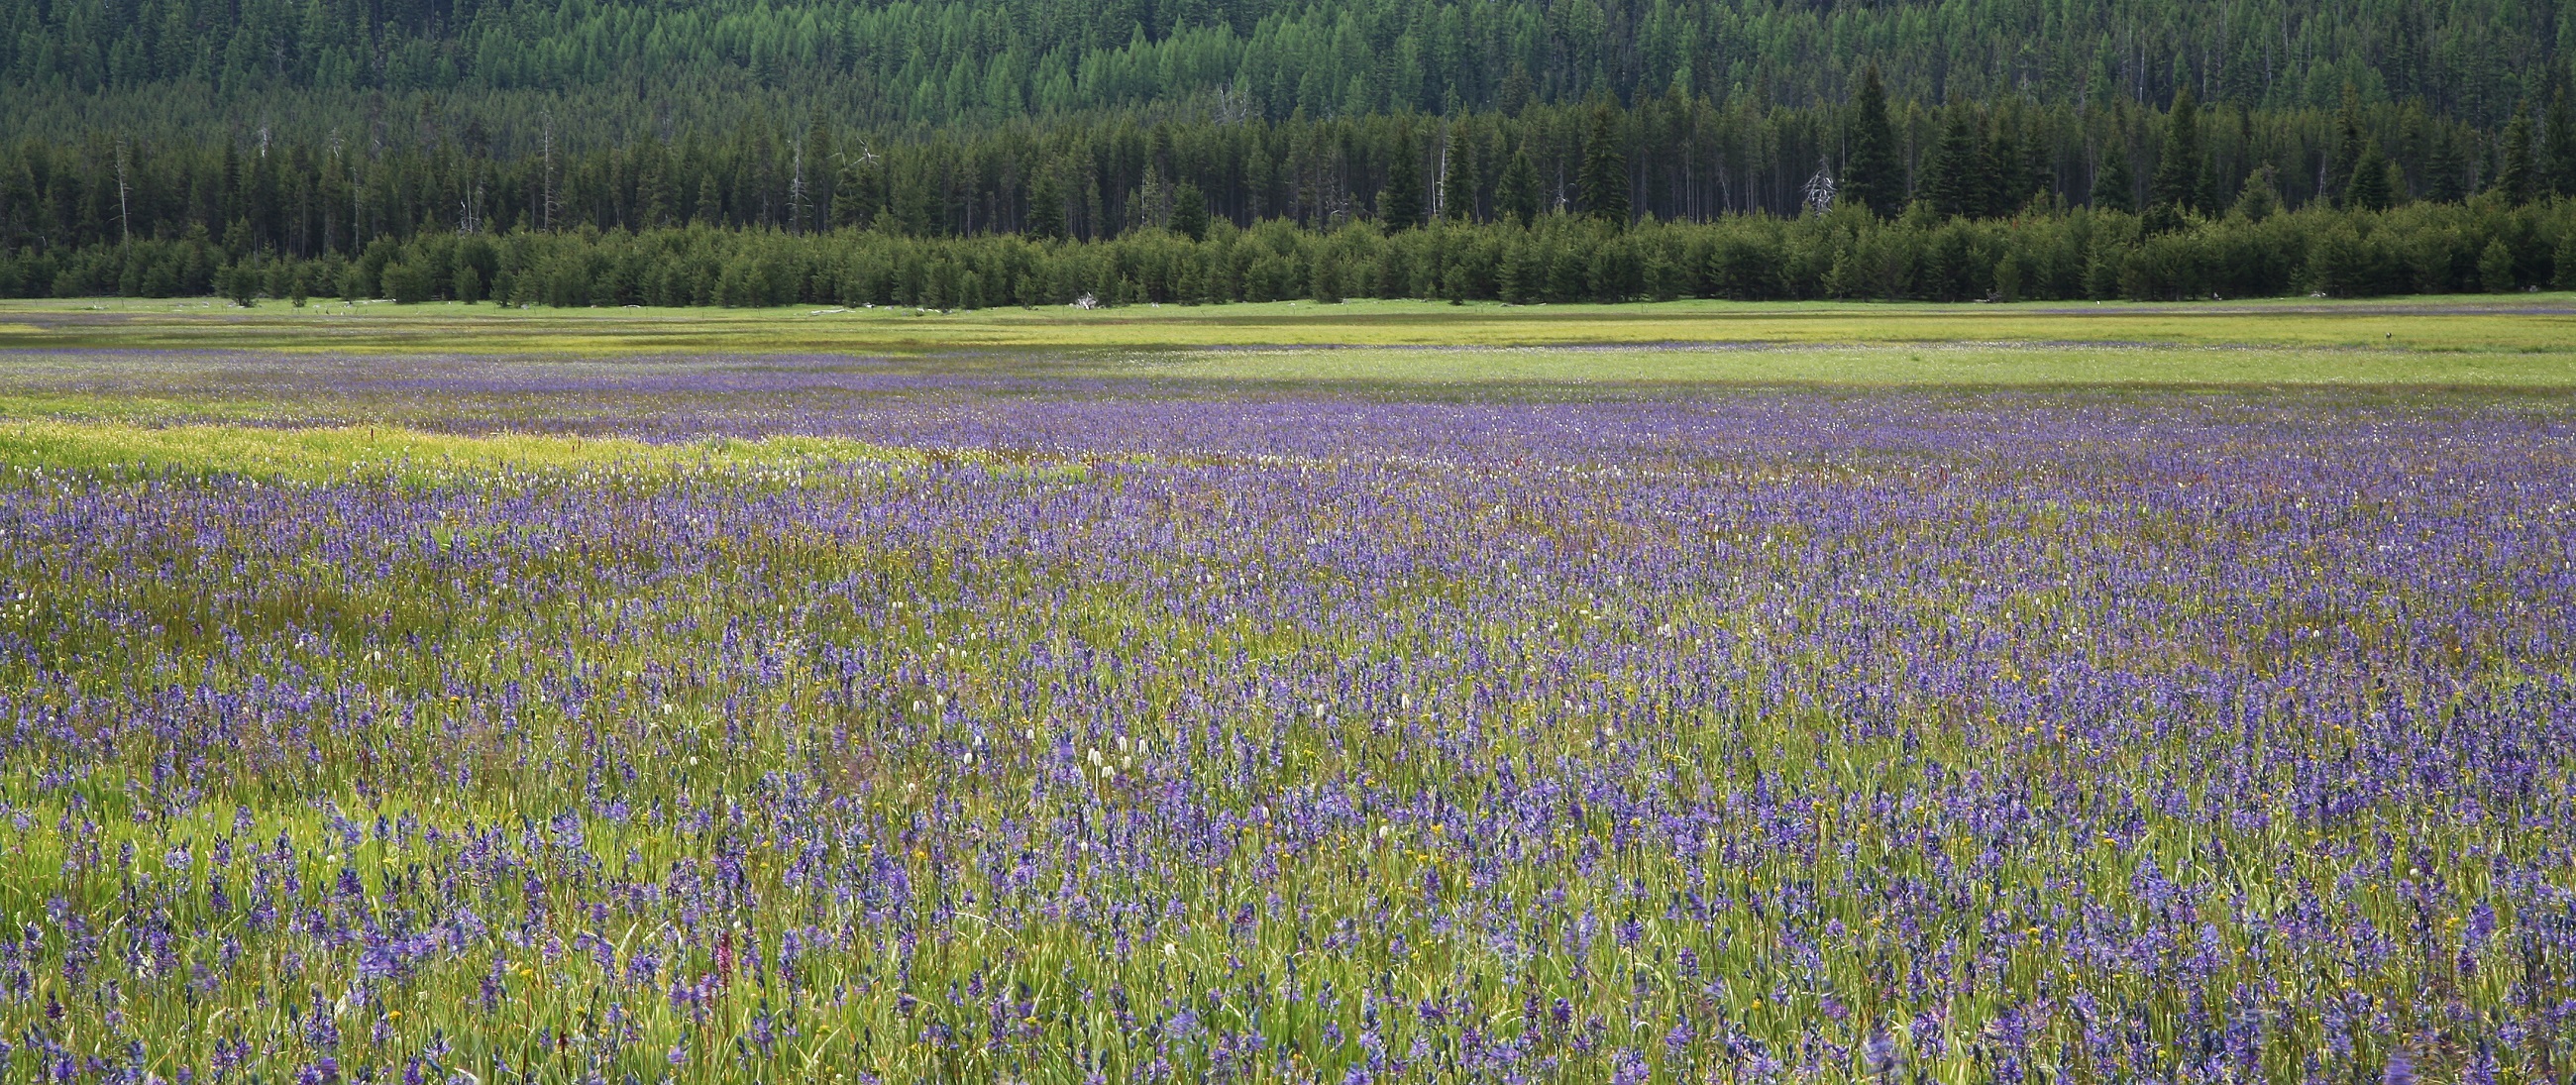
x,y
1399,206
1956,181
2115,185
2518,178
1872,176
1516,196
2178,166
2414,248
1189,212
1605,170
614,71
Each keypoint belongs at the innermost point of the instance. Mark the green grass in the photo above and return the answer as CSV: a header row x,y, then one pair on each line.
x,y
342,452
2514,323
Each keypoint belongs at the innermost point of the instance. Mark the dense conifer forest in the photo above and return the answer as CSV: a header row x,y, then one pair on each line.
x,y
1043,152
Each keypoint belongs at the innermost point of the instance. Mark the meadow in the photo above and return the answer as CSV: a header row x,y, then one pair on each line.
x,y
1644,694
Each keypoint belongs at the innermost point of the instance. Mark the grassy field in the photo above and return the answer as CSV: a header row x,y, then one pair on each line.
x,y
2543,325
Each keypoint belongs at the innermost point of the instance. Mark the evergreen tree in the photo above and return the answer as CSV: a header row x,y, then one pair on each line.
x,y
652,192
2260,197
1189,212
1400,206
1516,195
2559,135
858,198
1604,178
1955,179
1046,206
2348,149
1459,182
2516,177
2010,167
2370,189
710,208
2114,187
819,179
1516,93
2177,180
1872,175
2444,176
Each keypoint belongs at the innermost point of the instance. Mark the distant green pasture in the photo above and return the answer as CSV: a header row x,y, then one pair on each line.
x,y
2541,323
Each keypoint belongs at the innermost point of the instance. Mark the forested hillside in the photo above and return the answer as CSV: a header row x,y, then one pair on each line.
x,y
613,72
165,145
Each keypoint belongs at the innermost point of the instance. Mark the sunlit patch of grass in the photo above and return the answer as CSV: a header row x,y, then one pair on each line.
x,y
342,452
2481,323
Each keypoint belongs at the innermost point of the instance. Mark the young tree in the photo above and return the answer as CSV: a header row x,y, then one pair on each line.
x,y
1605,171
2370,189
1516,192
2114,187
2260,198
1872,175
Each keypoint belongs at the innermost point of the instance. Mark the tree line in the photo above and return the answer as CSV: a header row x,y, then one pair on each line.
x,y
1667,158
613,71
2251,249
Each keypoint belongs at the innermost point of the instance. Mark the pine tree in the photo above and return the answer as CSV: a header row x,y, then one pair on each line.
x,y
2260,198
1516,93
2370,189
2114,187
1872,176
1604,178
710,208
1459,183
1046,206
1189,212
2559,135
2515,176
2177,180
2348,148
858,198
819,182
1400,206
1955,180
2443,175
1516,192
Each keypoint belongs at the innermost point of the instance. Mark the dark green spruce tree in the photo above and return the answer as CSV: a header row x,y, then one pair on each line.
x,y
1458,180
1955,180
1046,206
1400,206
2177,180
1872,175
1516,194
2516,176
1605,171
1189,211
2371,189
2115,188
2559,136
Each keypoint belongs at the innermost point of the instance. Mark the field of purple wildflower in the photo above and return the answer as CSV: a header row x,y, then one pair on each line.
x,y
1119,731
